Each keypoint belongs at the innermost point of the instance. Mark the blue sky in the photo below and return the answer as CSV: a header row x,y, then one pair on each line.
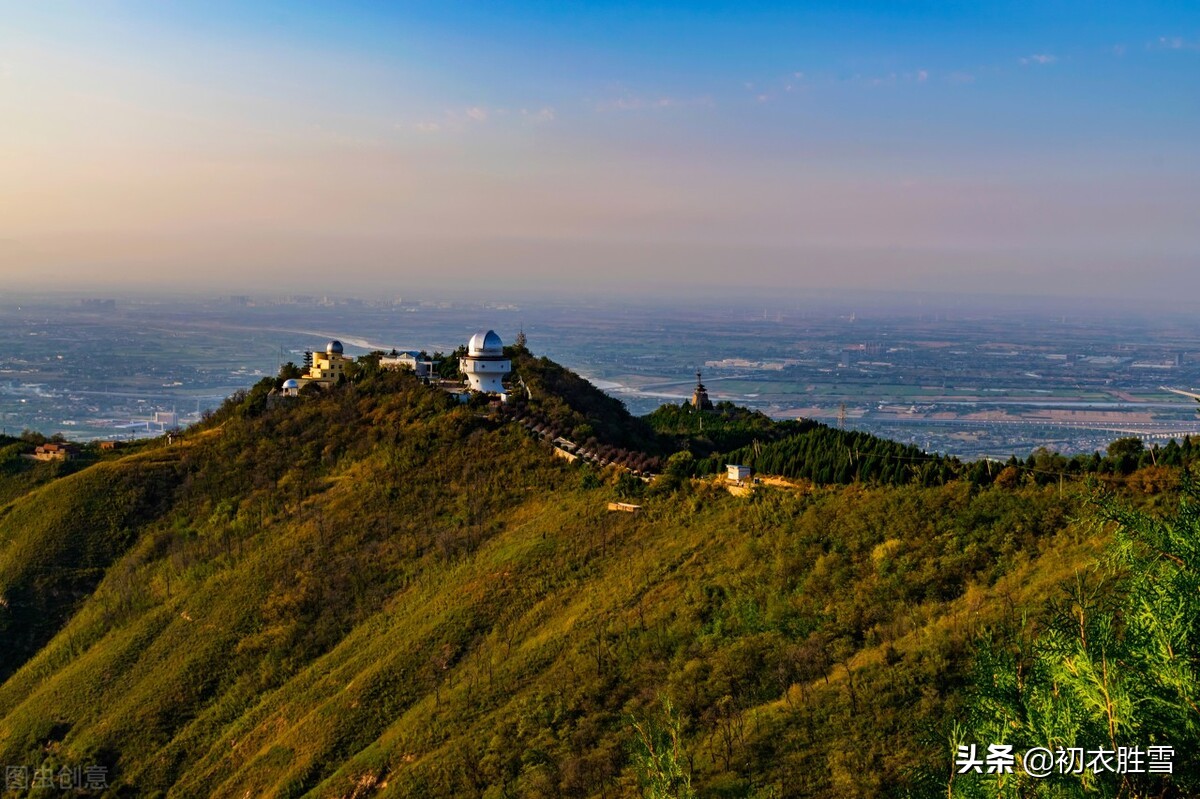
x,y
1005,147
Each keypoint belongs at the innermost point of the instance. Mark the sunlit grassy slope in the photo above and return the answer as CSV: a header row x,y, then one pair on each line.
x,y
380,593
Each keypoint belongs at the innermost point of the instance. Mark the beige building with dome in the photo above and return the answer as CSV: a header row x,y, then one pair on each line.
x,y
327,367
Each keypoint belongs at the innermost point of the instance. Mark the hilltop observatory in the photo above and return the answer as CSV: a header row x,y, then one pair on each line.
x,y
328,367
485,363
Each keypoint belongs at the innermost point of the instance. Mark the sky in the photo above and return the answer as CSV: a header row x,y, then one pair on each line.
x,y
651,149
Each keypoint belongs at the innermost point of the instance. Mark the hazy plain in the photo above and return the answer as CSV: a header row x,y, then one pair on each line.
x,y
964,381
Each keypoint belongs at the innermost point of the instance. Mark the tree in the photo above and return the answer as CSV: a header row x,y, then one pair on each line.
x,y
1124,453
658,756
680,464
447,364
1117,666
254,402
628,486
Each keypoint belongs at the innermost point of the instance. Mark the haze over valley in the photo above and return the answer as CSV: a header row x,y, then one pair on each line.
x,y
967,382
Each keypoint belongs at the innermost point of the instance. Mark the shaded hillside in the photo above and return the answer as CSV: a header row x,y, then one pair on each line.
x,y
380,592
58,540
575,408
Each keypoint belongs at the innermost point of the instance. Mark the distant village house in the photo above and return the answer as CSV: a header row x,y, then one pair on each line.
x,y
55,452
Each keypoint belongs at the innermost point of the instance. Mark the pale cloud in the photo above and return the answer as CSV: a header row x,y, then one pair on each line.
x,y
1040,59
890,79
544,114
1119,50
633,102
456,120
759,95
1174,43
960,78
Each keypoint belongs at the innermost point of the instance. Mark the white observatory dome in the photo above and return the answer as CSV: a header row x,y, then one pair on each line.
x,y
291,383
485,344
333,348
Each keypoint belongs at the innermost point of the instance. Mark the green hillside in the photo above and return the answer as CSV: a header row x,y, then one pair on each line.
x,y
380,592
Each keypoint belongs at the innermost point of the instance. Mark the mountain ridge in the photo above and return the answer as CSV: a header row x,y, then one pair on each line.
x,y
378,591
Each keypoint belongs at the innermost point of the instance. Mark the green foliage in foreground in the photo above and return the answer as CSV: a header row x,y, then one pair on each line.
x,y
1117,666
658,757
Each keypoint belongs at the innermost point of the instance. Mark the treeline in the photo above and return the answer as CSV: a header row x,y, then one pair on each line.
x,y
828,456
727,427
557,403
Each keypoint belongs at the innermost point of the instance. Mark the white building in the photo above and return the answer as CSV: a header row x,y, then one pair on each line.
x,y
737,474
485,364
421,367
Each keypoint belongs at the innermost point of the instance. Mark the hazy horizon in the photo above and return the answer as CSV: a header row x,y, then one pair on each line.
x,y
669,150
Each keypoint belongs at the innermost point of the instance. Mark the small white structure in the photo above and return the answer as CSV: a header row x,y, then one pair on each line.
x,y
485,364
738,474
291,387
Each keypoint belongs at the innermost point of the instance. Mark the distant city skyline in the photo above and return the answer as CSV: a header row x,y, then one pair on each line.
x,y
698,148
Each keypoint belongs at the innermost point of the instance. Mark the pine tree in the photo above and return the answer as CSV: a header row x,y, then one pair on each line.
x,y
1118,666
